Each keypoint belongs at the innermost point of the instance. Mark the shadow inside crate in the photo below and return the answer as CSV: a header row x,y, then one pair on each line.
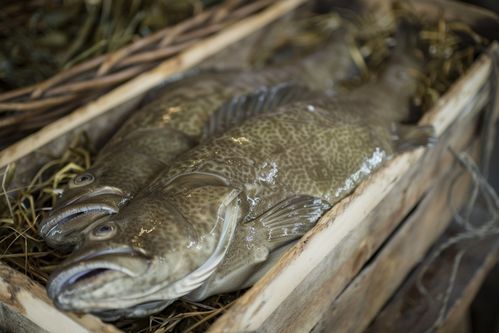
x,y
485,308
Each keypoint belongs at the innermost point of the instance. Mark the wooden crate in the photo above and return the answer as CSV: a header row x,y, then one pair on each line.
x,y
338,276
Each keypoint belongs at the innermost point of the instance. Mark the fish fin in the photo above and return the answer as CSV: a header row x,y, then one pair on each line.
x,y
408,137
240,108
291,218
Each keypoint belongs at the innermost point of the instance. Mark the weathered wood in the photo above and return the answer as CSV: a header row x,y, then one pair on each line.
x,y
411,311
27,308
347,223
137,86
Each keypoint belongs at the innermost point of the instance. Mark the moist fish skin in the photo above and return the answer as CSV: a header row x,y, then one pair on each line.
x,y
169,126
216,217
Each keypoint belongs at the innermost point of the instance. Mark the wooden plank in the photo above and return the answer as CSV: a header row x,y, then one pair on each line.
x,y
354,309
412,311
324,242
26,303
187,59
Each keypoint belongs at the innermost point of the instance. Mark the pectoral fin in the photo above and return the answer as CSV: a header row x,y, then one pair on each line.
x,y
290,219
408,137
257,240
241,108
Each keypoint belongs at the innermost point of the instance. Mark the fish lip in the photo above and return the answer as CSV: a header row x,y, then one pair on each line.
x,y
103,251
64,211
79,264
55,221
99,191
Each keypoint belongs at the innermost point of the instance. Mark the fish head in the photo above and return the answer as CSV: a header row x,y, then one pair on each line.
x,y
153,251
100,191
88,197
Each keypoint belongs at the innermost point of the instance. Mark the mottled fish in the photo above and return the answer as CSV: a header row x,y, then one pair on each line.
x,y
219,217
167,127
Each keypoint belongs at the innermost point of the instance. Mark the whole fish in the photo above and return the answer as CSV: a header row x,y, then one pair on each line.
x,y
169,126
216,219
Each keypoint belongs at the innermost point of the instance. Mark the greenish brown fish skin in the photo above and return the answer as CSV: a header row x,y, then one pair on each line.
x,y
311,148
257,187
169,126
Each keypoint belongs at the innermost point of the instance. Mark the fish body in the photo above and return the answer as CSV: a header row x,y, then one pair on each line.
x,y
169,126
213,220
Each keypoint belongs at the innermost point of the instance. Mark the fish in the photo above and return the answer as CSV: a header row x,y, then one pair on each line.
x,y
223,212
170,125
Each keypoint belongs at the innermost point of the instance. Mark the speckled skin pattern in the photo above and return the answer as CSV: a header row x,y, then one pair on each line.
x,y
311,148
320,149
169,126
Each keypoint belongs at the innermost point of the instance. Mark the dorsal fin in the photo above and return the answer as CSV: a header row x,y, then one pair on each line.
x,y
240,108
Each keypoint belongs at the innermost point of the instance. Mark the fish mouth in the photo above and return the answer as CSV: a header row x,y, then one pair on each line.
x,y
73,285
66,221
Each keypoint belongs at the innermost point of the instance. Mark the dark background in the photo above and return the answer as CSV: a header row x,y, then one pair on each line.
x,y
490,4
485,308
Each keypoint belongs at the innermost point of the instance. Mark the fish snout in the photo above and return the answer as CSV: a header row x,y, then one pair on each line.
x,y
78,283
64,224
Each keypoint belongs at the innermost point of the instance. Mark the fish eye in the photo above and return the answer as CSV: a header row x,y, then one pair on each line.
x,y
103,231
83,179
